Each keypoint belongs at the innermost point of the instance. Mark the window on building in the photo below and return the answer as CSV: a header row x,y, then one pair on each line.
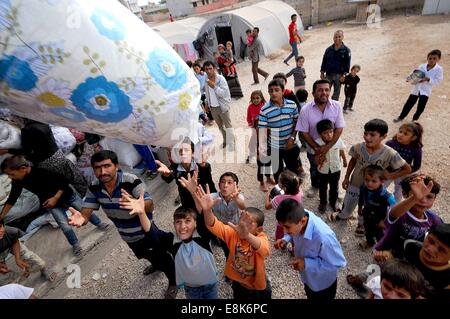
x,y
194,4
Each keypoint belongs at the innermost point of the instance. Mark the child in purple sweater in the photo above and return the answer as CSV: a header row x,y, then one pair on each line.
x,y
408,143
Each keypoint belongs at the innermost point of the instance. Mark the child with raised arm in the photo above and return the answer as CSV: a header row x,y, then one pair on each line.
x,y
248,244
410,218
195,266
318,254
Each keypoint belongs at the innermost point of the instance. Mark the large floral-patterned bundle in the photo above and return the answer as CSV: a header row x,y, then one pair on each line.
x,y
94,66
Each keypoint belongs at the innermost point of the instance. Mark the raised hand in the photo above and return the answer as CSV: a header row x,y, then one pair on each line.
x,y
418,187
75,218
236,191
128,202
204,198
4,269
162,168
242,229
190,183
280,244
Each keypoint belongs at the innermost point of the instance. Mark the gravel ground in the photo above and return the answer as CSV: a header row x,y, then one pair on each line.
x,y
387,55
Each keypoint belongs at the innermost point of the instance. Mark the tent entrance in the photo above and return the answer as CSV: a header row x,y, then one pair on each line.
x,y
223,35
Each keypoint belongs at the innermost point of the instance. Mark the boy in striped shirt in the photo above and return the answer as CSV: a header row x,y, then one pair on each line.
x,y
277,133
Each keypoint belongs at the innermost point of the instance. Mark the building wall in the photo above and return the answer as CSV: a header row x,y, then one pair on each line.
x,y
179,8
214,6
318,11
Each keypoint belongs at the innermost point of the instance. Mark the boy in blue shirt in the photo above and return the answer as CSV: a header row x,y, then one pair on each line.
x,y
318,254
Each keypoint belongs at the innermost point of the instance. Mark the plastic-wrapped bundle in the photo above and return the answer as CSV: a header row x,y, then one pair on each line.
x,y
94,66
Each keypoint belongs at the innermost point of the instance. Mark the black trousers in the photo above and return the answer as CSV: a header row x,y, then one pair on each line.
x,y
325,294
372,232
331,180
313,172
281,157
349,99
242,293
412,99
155,251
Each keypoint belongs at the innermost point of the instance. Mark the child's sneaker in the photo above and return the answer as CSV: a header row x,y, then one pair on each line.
x,y
359,232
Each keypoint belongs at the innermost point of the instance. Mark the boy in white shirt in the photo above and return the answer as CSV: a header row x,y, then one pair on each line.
x,y
330,169
434,74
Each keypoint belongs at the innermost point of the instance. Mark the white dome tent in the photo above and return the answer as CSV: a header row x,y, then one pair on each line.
x,y
272,18
180,34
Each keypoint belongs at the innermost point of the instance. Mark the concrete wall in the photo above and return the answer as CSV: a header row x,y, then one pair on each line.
x,y
319,11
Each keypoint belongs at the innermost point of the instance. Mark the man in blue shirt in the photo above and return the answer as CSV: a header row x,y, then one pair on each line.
x,y
336,63
318,254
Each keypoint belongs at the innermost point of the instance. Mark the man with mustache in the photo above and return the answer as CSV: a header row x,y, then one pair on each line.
x,y
107,192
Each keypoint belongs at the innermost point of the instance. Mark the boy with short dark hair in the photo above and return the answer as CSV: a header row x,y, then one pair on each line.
x,y
195,266
278,117
371,151
373,205
330,169
249,246
432,258
412,217
398,280
318,254
434,74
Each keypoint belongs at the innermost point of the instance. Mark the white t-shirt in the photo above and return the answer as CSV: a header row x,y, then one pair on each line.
x,y
332,158
15,291
213,97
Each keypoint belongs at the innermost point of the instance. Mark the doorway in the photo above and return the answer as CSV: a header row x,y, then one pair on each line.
x,y
224,35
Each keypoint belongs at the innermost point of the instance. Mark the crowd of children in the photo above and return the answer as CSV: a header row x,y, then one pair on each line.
x,y
410,241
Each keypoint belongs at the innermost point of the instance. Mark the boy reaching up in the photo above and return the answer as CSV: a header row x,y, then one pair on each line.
x,y
248,244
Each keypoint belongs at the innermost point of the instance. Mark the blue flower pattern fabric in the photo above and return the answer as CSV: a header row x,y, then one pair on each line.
x,y
108,25
101,100
166,70
17,73
104,81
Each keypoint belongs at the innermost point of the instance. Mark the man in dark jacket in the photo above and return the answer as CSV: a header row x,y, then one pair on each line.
x,y
335,63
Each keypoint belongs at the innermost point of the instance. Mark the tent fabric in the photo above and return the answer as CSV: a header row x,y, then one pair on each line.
x,y
272,18
181,34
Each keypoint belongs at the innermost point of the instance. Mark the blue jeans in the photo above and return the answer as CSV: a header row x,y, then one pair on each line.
x,y
202,292
294,51
59,213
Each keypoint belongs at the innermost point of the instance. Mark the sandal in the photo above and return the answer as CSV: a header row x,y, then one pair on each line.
x,y
50,276
333,217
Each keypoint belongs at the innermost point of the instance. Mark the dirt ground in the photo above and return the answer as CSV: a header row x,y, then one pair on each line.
x,y
387,55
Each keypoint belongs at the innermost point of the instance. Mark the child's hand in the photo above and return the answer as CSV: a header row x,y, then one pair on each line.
x,y
242,229
204,198
22,265
425,79
236,191
418,187
345,183
280,244
190,183
162,168
382,255
298,263
135,206
381,225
